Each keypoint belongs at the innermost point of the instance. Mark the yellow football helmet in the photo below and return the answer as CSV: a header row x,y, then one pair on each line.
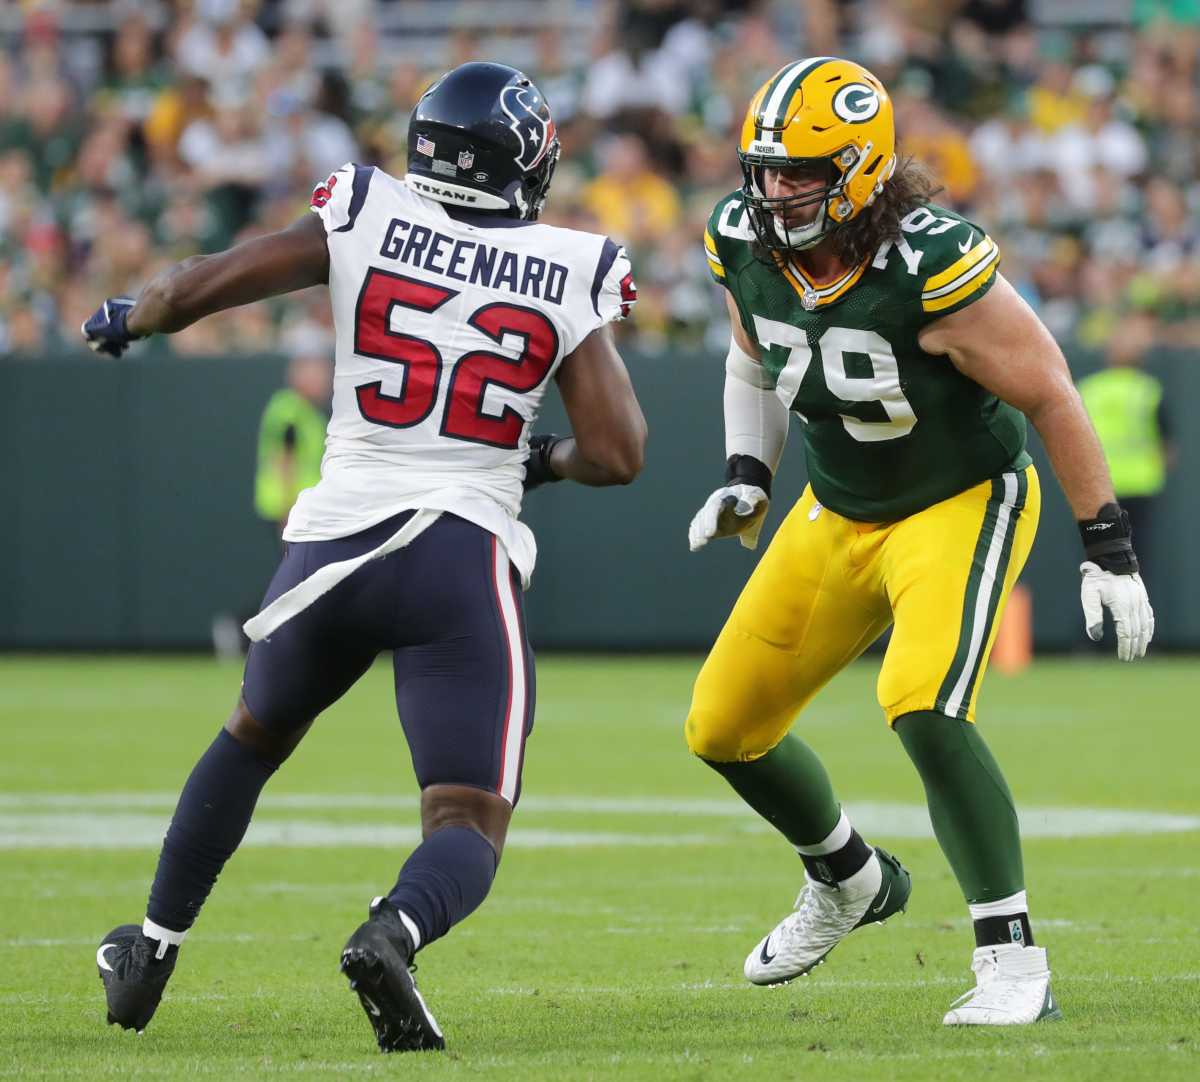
x,y
822,113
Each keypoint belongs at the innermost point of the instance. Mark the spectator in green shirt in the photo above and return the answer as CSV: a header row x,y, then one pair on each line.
x,y
291,437
1127,407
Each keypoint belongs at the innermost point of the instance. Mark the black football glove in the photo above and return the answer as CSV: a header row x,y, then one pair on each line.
x,y
537,467
105,329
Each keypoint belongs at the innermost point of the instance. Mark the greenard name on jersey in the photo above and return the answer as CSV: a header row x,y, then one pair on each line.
x,y
888,428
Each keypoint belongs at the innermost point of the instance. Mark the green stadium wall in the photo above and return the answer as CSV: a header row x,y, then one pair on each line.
x,y
127,491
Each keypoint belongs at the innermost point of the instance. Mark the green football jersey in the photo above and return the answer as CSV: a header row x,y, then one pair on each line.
x,y
888,428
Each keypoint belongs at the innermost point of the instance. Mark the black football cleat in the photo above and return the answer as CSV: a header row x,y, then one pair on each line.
x,y
133,977
377,960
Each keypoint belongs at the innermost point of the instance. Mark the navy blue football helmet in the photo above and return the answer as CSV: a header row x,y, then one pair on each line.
x,y
482,138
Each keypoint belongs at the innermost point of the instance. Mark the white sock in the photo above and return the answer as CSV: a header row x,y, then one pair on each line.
x,y
835,840
166,938
410,926
1005,907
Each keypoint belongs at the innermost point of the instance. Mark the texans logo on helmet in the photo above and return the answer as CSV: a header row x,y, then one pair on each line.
x,y
535,131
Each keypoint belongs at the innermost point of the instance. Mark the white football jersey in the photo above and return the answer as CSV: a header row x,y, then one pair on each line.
x,y
450,326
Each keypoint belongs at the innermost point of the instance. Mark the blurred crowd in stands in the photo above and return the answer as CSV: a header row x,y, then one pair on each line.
x,y
132,135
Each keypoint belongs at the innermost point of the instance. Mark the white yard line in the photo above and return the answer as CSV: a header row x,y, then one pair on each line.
x,y
117,830
262,1066
607,992
90,941
42,820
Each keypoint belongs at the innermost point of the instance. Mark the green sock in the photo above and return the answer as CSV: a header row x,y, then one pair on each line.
x,y
969,803
789,788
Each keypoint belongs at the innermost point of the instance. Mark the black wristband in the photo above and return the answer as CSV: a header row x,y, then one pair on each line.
x,y
537,466
748,470
1108,540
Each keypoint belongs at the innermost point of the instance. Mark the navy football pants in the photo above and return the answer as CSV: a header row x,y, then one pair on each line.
x,y
450,609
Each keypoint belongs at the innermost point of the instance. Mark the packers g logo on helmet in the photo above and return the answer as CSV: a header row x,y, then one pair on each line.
x,y
856,103
829,116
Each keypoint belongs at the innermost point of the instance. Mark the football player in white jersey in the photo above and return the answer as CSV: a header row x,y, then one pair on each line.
x,y
454,309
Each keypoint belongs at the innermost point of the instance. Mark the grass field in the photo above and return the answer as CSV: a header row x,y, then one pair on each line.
x,y
633,886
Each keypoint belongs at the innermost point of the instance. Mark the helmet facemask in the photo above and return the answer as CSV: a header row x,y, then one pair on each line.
x,y
768,214
531,201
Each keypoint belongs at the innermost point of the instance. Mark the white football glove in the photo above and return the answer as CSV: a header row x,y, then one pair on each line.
x,y
735,510
1128,604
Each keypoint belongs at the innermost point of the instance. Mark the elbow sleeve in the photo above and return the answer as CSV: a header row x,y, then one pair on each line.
x,y
756,421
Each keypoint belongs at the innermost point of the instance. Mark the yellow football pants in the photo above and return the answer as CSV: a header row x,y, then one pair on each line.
x,y
828,586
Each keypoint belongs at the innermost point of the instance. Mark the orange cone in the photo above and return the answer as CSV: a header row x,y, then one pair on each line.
x,y
1013,650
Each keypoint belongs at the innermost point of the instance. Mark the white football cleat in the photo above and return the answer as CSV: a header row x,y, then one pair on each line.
x,y
1012,988
825,915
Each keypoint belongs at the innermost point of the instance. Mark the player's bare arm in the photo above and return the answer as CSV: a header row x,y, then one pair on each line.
x,y
609,439
609,429
293,258
1002,345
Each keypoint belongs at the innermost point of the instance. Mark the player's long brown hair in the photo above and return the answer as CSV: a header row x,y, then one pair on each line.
x,y
908,187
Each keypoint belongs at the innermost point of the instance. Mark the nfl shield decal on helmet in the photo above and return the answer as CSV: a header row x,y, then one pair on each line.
x,y
521,105
466,159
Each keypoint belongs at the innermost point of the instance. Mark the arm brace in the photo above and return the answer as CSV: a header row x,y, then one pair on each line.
x,y
756,422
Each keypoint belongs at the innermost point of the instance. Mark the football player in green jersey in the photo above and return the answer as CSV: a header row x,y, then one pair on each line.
x,y
882,321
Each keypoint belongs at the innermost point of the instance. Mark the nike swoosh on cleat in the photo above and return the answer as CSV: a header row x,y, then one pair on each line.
x,y
428,1014
101,961
370,1005
880,906
763,956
